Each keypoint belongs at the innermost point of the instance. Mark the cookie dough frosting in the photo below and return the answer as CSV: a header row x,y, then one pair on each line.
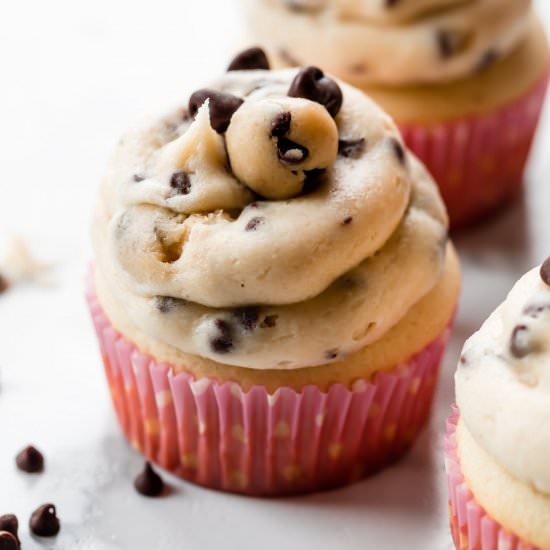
x,y
391,41
503,382
277,222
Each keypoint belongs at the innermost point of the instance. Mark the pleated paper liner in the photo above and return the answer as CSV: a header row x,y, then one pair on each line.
x,y
257,443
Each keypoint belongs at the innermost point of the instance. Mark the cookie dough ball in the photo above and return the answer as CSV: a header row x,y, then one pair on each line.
x,y
273,143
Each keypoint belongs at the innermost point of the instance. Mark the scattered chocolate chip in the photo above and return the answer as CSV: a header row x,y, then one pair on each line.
x,y
222,107
398,150
44,521
463,360
4,285
148,483
253,223
291,152
451,42
180,183
223,342
30,460
351,148
166,304
347,220
311,83
250,60
137,178
487,59
520,344
10,523
534,310
331,354
545,272
281,124
8,541
314,180
269,321
247,317
288,59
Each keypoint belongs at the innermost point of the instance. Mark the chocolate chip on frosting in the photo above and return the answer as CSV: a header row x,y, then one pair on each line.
x,y
222,107
253,223
137,178
44,521
545,272
247,317
534,310
180,183
148,483
10,523
520,342
223,341
8,541
351,148
311,83
30,460
250,60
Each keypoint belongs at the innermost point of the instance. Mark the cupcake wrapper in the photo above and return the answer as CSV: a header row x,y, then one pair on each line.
x,y
478,162
471,526
253,442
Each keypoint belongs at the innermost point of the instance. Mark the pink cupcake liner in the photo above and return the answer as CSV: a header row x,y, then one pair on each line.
x,y
478,162
259,443
471,526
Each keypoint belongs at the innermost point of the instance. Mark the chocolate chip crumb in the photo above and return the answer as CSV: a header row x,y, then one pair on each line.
x,y
223,342
331,354
249,60
269,321
398,150
281,124
347,221
166,304
180,183
487,59
8,541
520,344
30,460
9,523
247,317
148,483
222,107
138,177
463,360
291,152
44,521
253,223
545,272
311,83
4,285
351,148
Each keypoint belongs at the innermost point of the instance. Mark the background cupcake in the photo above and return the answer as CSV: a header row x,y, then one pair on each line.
x,y
273,286
464,80
498,437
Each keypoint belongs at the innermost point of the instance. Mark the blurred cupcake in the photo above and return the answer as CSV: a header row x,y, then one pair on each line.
x,y
273,286
465,80
498,439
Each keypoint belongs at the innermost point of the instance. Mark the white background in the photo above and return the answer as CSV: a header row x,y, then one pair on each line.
x,y
73,76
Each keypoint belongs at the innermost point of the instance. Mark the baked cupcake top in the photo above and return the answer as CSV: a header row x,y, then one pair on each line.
x,y
392,41
275,221
503,381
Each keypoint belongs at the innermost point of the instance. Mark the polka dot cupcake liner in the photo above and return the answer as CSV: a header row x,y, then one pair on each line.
x,y
478,162
259,443
471,526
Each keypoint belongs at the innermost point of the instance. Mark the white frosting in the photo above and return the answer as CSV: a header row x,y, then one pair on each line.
x,y
504,399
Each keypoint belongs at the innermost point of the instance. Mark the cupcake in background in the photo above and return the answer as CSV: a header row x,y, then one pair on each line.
x,y
498,437
273,286
464,80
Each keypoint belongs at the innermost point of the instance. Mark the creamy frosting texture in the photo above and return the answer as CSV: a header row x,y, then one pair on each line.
x,y
390,41
503,381
295,233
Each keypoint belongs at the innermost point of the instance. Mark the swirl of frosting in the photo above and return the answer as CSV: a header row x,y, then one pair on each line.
x,y
291,239
503,381
392,42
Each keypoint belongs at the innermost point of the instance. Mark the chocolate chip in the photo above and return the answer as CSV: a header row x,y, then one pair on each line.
x,y
487,59
222,107
253,223
347,220
291,152
8,541
10,523
351,148
463,360
288,59
520,344
44,521
180,183
250,60
223,342
545,272
247,317
137,178
451,42
166,304
281,124
148,483
398,150
311,83
4,285
314,180
30,460
331,354
269,321
534,310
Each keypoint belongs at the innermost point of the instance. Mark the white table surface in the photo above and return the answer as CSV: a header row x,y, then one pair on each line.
x,y
74,75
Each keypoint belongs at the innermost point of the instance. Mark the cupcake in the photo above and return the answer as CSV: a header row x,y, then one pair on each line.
x,y
465,80
498,436
273,285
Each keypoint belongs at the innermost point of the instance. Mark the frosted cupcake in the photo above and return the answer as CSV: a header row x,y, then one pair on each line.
x,y
498,438
273,285
465,80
